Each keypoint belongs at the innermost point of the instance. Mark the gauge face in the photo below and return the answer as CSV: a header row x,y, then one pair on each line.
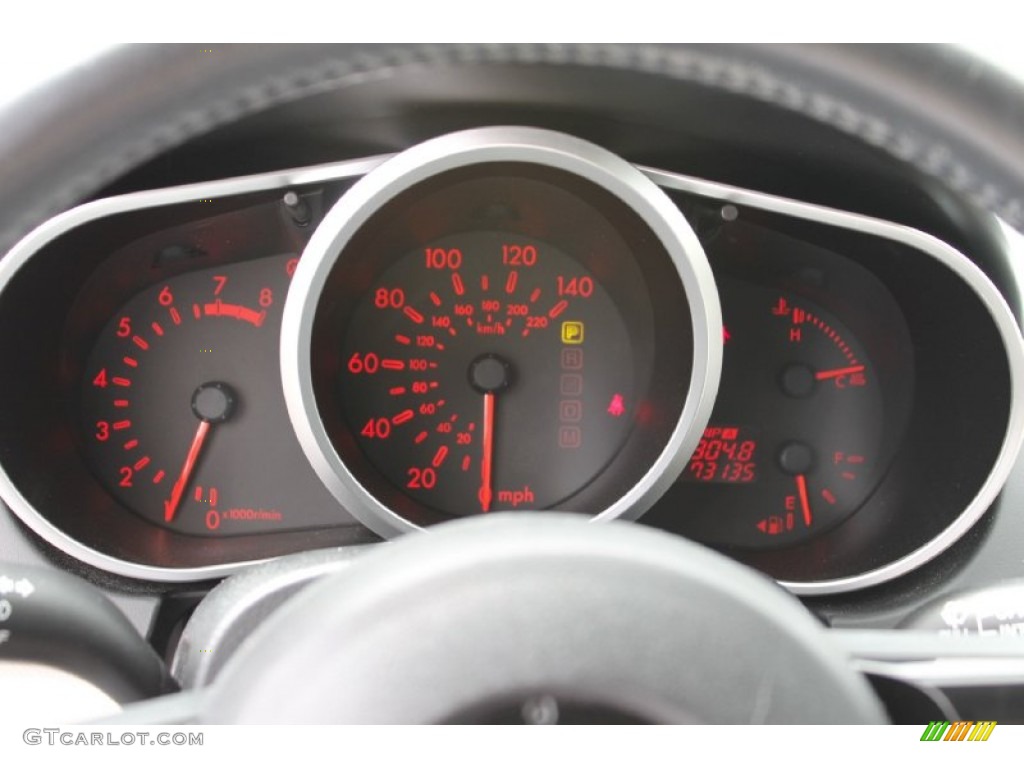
x,y
498,336
181,409
478,361
796,443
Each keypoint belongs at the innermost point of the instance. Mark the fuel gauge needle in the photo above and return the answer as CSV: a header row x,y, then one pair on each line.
x,y
805,504
171,505
486,492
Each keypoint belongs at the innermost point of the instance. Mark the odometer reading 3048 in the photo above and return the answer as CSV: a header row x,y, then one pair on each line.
x,y
476,358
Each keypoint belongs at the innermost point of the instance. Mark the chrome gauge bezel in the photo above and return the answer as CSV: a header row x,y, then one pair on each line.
x,y
992,300
1004,320
472,148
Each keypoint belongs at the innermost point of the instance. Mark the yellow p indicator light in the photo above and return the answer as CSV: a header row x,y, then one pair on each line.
x,y
572,332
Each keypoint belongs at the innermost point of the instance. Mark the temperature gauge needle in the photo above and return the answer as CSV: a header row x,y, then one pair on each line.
x,y
171,505
835,373
486,492
805,504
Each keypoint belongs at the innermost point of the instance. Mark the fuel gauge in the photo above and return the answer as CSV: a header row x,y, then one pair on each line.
x,y
796,441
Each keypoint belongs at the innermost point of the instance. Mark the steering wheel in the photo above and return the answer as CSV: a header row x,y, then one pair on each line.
x,y
612,622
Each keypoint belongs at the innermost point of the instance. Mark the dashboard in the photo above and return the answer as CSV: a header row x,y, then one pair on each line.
x,y
777,345
772,382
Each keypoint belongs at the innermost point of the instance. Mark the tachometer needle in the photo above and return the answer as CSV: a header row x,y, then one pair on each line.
x,y
486,492
805,504
171,505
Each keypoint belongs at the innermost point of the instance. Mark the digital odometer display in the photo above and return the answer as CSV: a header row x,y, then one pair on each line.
x,y
725,454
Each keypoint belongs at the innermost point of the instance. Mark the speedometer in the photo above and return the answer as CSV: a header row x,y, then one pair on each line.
x,y
464,379
498,320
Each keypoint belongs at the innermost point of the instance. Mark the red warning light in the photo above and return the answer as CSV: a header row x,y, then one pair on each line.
x,y
725,334
616,406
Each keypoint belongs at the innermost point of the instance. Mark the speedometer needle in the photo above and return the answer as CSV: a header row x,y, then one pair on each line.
x,y
171,505
486,492
805,504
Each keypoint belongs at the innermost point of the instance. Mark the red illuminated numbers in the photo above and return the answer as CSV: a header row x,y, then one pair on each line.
x,y
419,387
712,450
380,428
518,255
126,477
537,322
490,305
368,363
463,438
102,431
575,286
266,297
439,258
291,266
421,478
393,298
101,378
124,327
737,472
517,309
166,297
417,364
428,409
221,281
213,520
428,341
703,470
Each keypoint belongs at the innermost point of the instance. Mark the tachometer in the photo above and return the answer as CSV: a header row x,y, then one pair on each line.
x,y
502,319
180,413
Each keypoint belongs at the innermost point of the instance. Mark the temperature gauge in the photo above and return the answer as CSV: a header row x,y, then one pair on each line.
x,y
795,444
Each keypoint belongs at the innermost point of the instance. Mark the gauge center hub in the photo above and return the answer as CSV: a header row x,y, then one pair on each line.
x,y
490,373
214,402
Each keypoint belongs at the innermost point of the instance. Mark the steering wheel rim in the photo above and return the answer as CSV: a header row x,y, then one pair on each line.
x,y
489,614
952,117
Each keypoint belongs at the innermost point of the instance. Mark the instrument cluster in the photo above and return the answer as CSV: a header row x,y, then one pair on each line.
x,y
499,320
